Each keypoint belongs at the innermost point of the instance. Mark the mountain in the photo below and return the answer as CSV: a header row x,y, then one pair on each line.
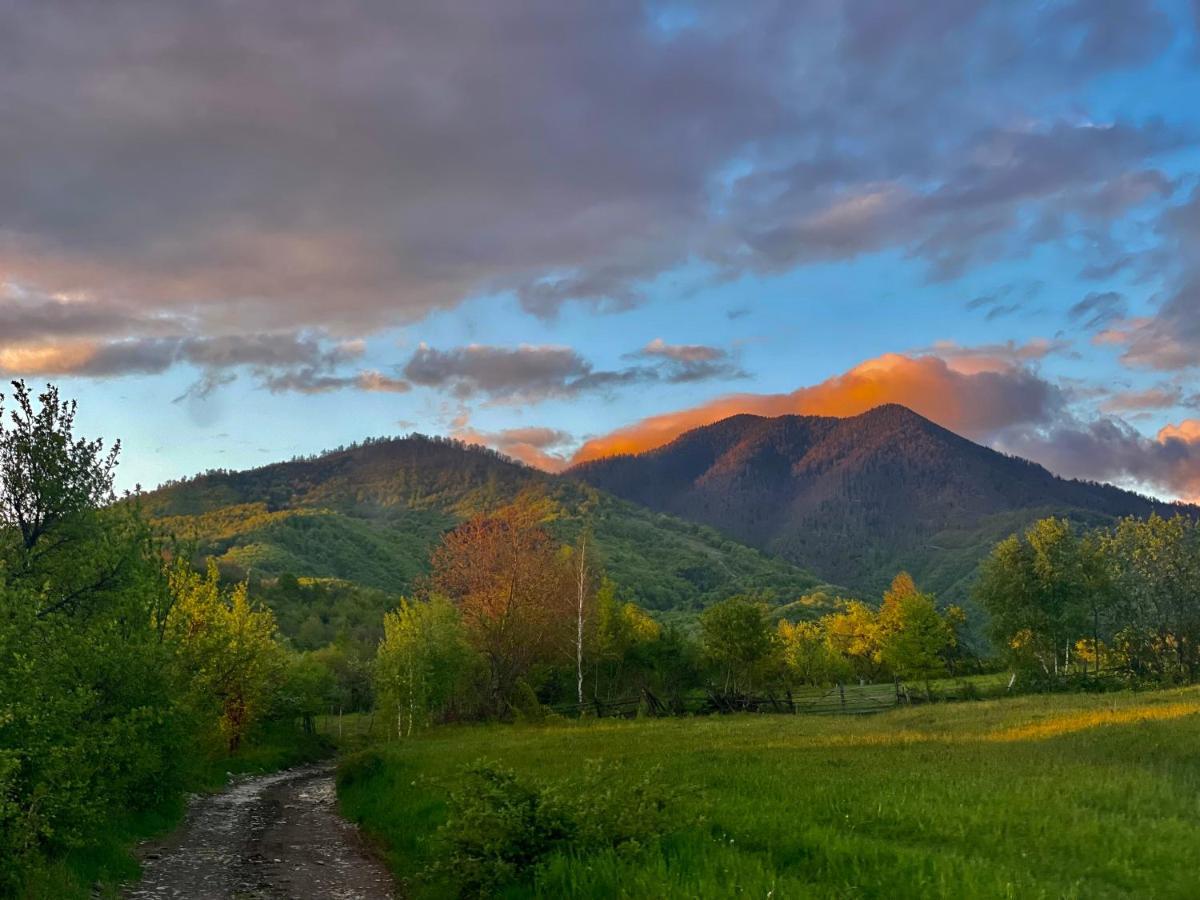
x,y
856,499
370,514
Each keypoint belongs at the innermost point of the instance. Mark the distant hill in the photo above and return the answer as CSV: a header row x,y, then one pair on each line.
x,y
370,515
856,499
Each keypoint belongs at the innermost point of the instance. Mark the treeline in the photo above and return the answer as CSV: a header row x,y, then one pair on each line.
x,y
126,677
1123,600
511,621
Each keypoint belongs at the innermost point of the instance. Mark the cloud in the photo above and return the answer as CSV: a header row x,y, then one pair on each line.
x,y
1160,397
977,403
304,363
684,363
309,381
239,165
531,373
524,373
537,447
1098,309
1169,340
1108,449
1003,357
682,352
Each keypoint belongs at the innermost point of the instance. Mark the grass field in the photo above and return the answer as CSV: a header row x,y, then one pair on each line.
x,y
1042,796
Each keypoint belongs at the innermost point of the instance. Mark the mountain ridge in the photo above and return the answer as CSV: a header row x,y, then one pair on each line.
x,y
861,496
372,512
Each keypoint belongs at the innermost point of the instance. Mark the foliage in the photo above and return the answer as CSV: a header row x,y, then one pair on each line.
x,y
500,828
1122,598
513,589
915,638
113,671
423,664
225,648
738,639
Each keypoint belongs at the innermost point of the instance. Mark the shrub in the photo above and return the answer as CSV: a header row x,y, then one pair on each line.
x,y
500,829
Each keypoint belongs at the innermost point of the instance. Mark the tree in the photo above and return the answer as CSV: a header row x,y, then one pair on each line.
x,y
422,662
583,594
915,637
226,648
47,475
853,633
738,639
1154,565
1043,592
807,654
514,590
87,721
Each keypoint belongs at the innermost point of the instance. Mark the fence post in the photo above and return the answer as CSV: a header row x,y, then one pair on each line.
x,y
897,690
842,694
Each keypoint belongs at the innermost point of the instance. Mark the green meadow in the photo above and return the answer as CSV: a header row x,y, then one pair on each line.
x,y
1083,796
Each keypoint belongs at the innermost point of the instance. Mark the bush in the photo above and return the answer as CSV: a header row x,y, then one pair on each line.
x,y
500,829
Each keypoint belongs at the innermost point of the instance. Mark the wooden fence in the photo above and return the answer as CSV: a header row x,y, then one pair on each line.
x,y
841,699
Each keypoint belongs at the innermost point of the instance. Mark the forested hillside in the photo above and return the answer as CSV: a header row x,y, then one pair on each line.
x,y
857,499
369,515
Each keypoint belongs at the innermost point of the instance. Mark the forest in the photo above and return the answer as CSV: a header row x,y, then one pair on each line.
x,y
136,671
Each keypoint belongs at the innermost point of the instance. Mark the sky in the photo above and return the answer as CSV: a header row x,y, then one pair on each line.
x,y
237,232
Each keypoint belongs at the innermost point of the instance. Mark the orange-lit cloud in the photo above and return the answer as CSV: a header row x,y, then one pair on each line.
x,y
1182,444
533,446
971,399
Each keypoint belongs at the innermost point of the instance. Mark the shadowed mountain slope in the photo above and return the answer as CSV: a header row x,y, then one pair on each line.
x,y
856,499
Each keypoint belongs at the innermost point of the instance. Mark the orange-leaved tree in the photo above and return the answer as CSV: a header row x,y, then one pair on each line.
x,y
513,585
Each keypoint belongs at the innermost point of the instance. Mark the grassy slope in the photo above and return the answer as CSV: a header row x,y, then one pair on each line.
x,y
1065,796
371,515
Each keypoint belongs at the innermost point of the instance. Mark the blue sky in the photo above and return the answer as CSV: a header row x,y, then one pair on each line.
x,y
239,233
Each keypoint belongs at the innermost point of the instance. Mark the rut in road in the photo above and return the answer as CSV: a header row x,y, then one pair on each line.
x,y
270,836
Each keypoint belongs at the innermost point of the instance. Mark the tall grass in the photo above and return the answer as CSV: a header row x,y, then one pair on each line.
x,y
1042,796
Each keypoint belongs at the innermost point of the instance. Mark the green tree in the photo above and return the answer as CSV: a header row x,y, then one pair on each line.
x,y
807,655
915,637
226,650
1155,569
739,641
422,663
87,723
1043,591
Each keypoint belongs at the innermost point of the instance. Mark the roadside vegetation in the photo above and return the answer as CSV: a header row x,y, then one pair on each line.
x,y
127,678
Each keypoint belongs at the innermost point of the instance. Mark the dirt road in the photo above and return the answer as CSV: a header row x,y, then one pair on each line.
x,y
270,836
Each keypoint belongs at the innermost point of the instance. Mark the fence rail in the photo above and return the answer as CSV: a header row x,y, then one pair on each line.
x,y
842,699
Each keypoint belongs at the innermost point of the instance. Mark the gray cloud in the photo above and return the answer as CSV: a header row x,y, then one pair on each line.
x,y
685,363
304,363
1108,449
529,373
312,381
1169,340
270,166
1098,309
520,373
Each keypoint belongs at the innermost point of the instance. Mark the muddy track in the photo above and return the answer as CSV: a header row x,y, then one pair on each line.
x,y
270,836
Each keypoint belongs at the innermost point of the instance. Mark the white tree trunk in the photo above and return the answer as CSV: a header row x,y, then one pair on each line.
x,y
579,620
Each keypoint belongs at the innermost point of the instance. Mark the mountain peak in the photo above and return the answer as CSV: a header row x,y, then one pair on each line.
x,y
857,498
